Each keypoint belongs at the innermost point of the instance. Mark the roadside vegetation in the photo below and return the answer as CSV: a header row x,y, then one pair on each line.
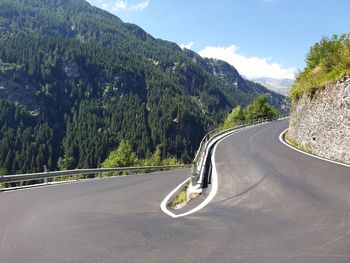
x,y
294,143
4,67
258,109
327,60
180,199
124,156
2,173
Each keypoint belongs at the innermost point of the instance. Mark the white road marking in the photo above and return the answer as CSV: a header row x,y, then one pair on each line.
x,y
166,200
309,154
214,189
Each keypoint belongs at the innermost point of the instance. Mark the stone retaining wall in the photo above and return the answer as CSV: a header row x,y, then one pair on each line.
x,y
321,123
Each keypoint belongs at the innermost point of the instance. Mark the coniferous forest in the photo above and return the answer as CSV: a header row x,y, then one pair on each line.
x,y
75,81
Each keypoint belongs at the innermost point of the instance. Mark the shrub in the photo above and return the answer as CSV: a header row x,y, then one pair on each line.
x,y
327,60
259,108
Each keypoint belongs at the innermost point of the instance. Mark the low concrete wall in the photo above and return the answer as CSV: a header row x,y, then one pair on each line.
x,y
321,122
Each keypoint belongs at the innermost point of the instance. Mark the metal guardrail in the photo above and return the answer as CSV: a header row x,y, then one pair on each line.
x,y
200,158
8,179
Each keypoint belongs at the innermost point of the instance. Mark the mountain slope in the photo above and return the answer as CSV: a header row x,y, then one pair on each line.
x,y
280,86
78,80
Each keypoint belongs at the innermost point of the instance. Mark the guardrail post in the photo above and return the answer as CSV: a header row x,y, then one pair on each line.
x,y
45,171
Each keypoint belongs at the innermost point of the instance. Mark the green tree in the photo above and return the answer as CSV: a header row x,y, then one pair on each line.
x,y
235,118
259,108
3,171
171,161
156,158
65,163
326,53
327,60
123,156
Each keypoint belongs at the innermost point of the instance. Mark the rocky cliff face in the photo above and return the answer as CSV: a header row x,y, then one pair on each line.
x,y
321,122
19,92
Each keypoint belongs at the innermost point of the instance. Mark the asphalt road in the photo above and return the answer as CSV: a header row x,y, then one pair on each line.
x,y
273,205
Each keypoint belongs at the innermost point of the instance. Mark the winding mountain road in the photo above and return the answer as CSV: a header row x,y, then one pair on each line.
x,y
273,205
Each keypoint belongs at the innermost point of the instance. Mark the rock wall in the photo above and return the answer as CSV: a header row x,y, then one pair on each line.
x,y
321,122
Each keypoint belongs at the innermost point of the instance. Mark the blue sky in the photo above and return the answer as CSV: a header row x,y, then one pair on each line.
x,y
261,38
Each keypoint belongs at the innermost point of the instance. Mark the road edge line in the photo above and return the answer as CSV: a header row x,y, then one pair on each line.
x,y
165,202
309,154
210,197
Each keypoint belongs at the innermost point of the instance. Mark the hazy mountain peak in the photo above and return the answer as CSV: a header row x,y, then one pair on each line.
x,y
278,85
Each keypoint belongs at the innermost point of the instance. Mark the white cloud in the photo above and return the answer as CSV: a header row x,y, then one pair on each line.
x,y
187,46
120,5
140,6
124,5
251,67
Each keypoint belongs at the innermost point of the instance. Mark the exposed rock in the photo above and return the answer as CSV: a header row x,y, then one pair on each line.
x,y
322,122
126,82
21,93
71,69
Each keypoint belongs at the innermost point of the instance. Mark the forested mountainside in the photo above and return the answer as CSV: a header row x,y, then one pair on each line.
x,y
75,81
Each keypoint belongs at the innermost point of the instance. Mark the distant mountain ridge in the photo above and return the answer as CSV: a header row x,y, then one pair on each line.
x,y
235,82
280,86
91,80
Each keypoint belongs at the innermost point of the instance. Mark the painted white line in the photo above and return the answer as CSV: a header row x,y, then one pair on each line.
x,y
214,185
309,154
166,200
214,189
214,179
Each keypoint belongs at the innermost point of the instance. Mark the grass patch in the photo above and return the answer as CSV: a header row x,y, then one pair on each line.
x,y
294,143
179,199
309,83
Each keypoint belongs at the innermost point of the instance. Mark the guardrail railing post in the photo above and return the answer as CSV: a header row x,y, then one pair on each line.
x,y
45,171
